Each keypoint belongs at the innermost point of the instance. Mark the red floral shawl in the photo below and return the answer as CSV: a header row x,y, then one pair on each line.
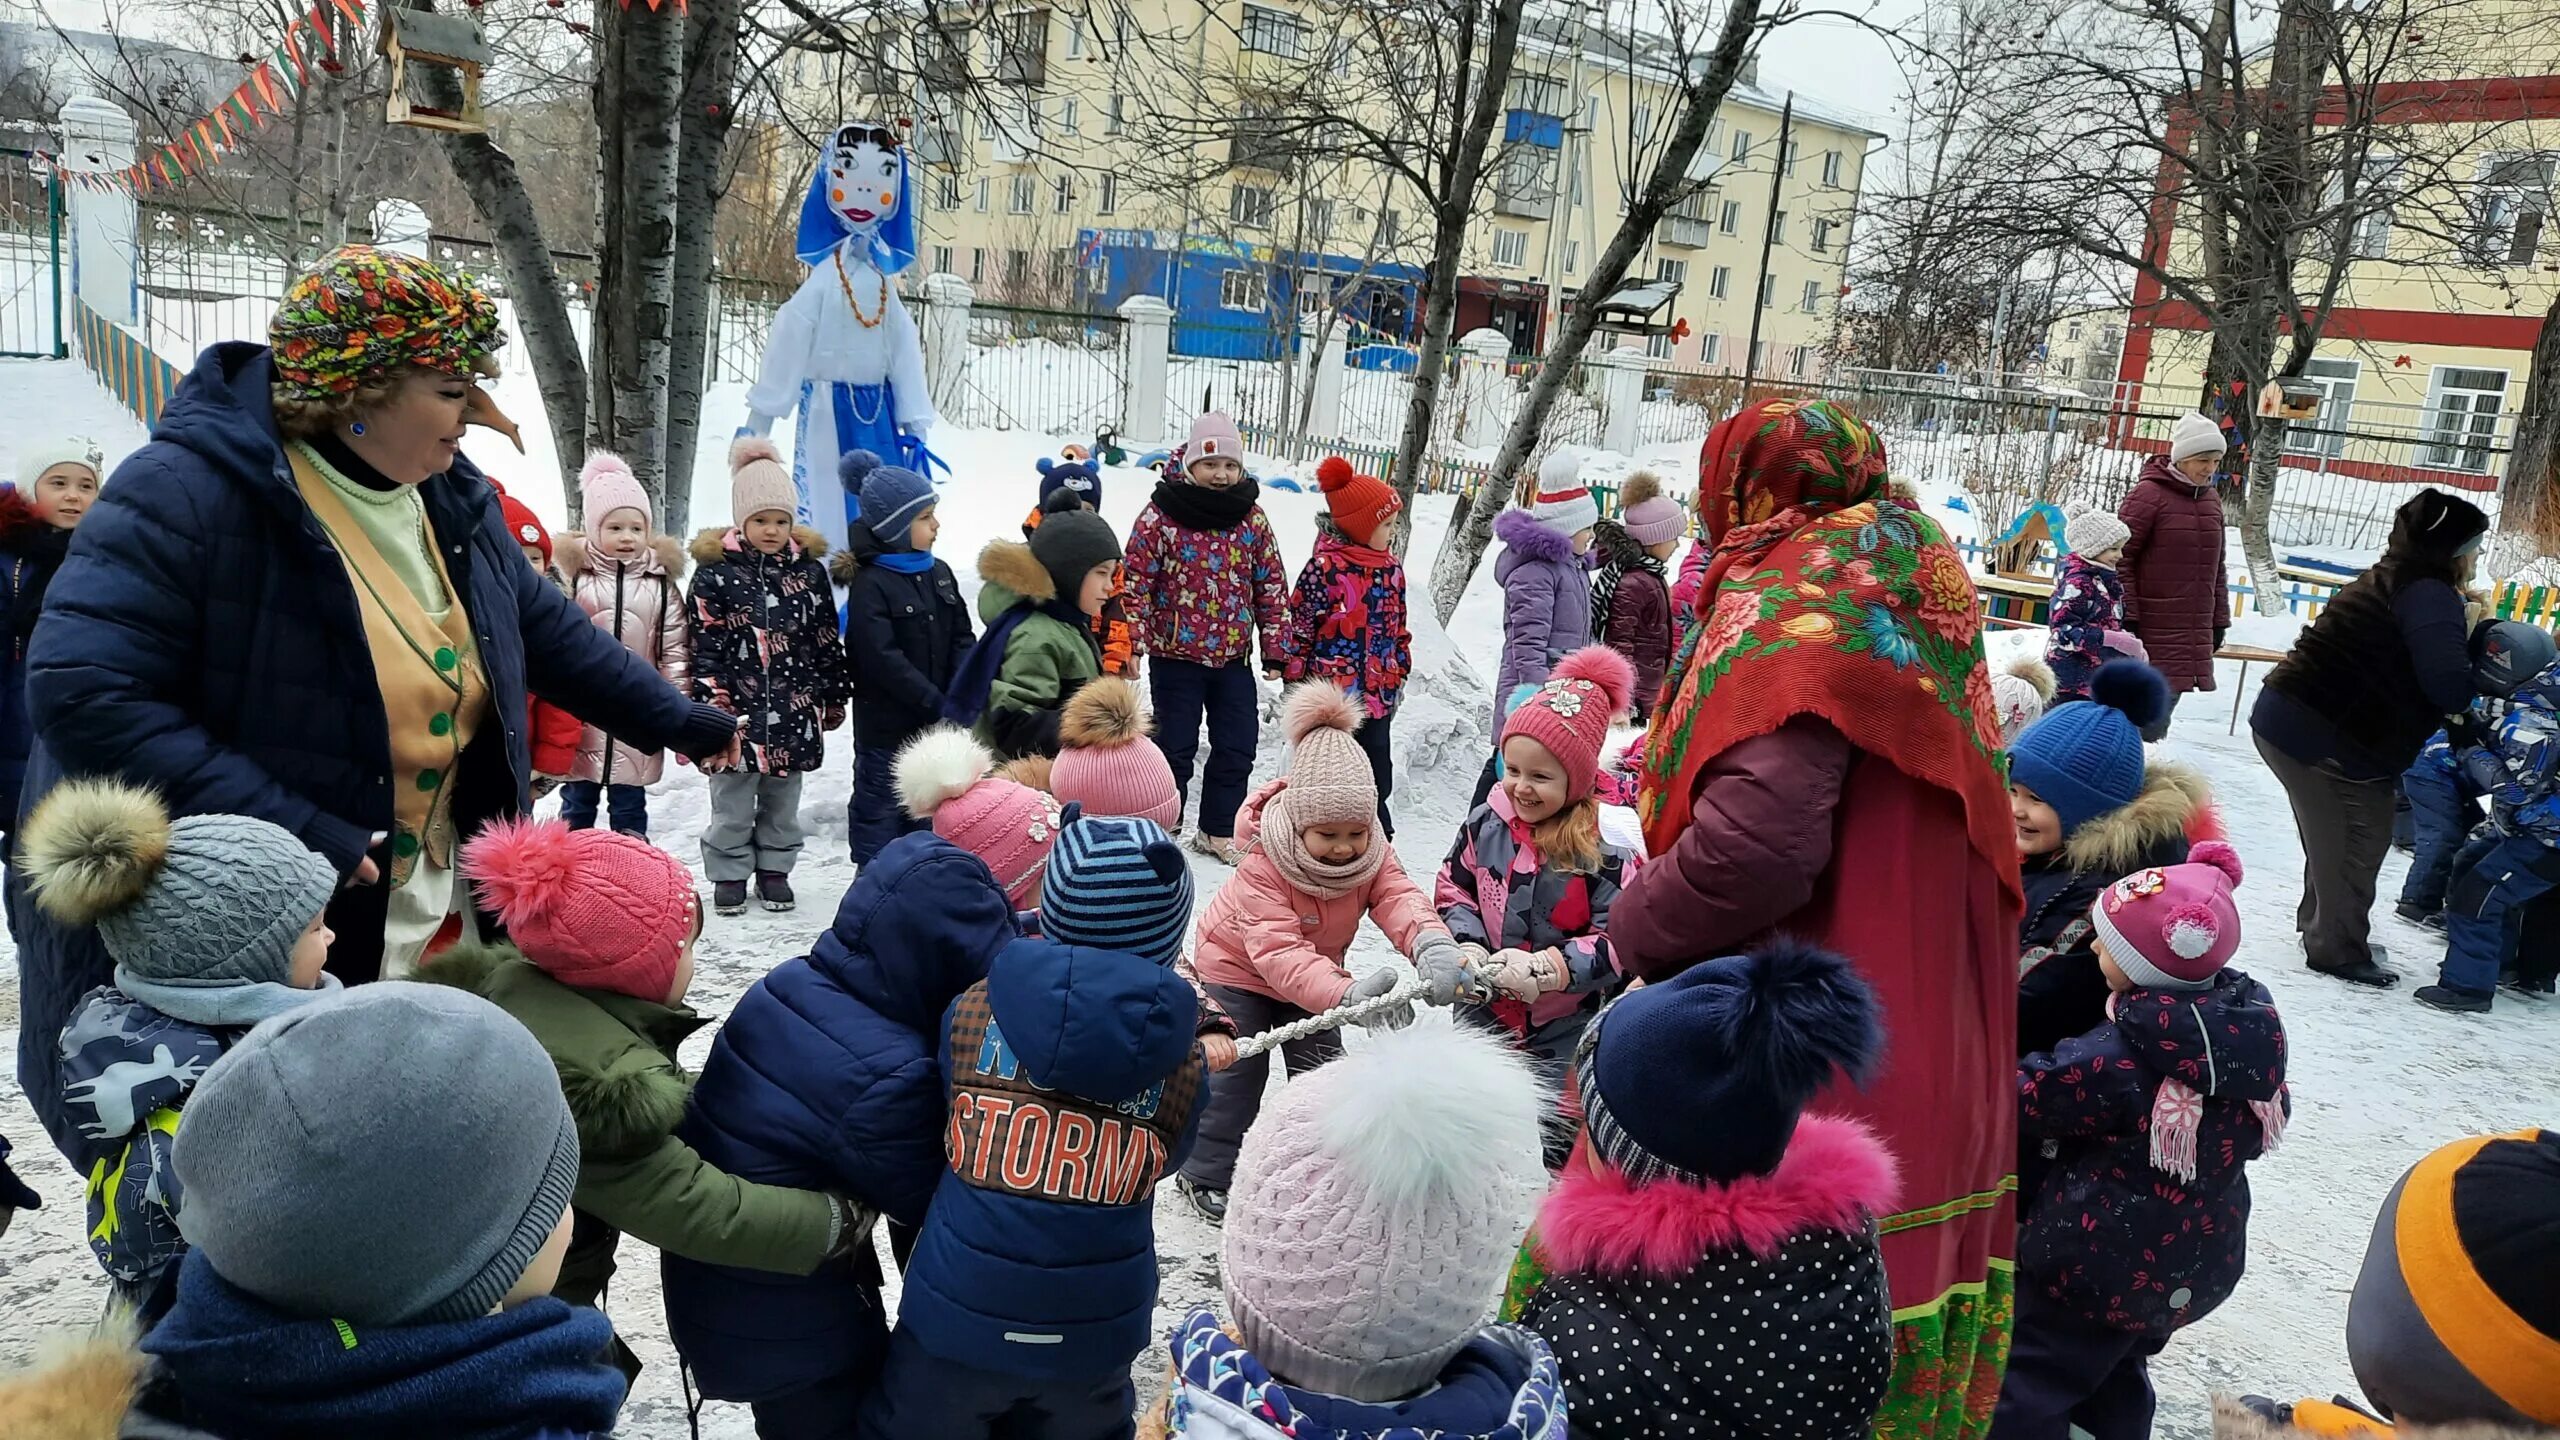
x,y
1826,596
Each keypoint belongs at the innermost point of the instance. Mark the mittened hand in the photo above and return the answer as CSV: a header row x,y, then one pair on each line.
x,y
1370,987
1446,968
1524,975
854,1222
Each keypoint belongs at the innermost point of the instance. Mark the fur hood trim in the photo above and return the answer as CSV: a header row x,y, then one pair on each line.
x,y
79,1387
626,1108
842,567
2031,668
1104,712
1531,538
1835,1176
2173,795
18,516
2234,1421
569,552
466,965
1011,564
711,546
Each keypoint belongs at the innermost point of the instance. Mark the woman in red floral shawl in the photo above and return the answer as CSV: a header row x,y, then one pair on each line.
x,y
1826,762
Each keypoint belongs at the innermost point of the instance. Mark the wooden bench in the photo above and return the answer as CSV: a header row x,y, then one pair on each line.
x,y
2247,655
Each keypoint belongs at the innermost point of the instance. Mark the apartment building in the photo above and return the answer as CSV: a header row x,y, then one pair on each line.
x,y
1087,178
2425,356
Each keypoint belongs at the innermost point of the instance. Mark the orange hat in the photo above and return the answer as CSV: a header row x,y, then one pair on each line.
x,y
1361,504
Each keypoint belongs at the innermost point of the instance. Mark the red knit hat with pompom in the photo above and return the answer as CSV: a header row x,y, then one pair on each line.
x,y
1360,503
1570,714
2173,927
590,908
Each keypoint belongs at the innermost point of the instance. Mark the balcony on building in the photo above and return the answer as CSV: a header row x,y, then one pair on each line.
x,y
1261,141
1535,112
1022,48
936,142
1525,185
1689,224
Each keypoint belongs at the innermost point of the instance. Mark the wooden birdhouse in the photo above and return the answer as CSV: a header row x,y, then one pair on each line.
x,y
424,50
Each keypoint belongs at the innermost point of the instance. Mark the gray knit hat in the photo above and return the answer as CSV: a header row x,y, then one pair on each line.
x,y
394,1155
203,899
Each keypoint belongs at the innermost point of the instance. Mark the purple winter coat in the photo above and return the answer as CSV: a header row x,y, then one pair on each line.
x,y
1546,602
2175,595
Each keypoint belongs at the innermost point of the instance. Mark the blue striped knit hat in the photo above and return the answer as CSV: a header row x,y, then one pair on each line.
x,y
1117,883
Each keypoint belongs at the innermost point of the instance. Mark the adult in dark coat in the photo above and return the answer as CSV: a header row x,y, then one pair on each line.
x,y
2176,597
205,635
2380,669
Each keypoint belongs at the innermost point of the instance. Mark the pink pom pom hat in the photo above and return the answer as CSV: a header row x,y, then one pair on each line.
x,y
1570,714
2173,927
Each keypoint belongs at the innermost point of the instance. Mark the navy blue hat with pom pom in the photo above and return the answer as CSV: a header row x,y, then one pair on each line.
x,y
2085,759
1700,1078
1081,478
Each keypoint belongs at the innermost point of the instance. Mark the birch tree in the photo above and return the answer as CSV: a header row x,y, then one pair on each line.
x,y
639,86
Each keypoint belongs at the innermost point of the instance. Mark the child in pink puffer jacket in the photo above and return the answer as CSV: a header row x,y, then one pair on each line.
x,y
1271,944
625,579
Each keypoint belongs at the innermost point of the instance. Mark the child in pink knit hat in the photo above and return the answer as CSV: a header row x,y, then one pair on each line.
x,y
1106,762
603,928
944,779
1376,1211
1530,880
2139,1224
1271,944
623,573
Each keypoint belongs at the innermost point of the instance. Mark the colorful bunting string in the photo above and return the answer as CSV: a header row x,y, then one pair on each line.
x,y
255,103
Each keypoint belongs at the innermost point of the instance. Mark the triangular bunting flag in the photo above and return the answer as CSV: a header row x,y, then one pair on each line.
x,y
321,27
262,84
240,110
352,9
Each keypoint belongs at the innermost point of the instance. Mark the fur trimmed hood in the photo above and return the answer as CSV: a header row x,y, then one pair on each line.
x,y
2118,842
1836,1175
19,518
569,551
1010,564
79,1387
2233,1420
1530,538
712,545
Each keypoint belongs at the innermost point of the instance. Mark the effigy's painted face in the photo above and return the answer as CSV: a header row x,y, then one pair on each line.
x,y
862,177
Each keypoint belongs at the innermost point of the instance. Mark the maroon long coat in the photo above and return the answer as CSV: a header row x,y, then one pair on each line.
x,y
2175,595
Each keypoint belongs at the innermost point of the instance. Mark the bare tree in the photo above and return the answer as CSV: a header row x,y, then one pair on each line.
x,y
640,56
2531,497
1700,77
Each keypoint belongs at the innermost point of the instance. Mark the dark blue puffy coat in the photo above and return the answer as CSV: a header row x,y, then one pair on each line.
x,y
1075,1086
202,638
824,1078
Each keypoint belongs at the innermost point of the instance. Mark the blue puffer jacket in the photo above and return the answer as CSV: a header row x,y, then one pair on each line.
x,y
2520,771
202,638
824,1079
1075,1086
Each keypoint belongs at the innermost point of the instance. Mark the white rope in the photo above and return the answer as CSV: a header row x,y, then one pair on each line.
x,y
1408,990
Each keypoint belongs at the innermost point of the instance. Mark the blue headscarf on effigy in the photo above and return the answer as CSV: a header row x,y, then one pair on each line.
x,y
893,243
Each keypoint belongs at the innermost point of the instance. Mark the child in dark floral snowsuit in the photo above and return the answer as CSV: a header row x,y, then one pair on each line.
x,y
2139,1225
765,647
1202,571
2088,605
1347,616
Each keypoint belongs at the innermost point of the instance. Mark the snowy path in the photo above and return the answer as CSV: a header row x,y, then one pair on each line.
x,y
2378,1080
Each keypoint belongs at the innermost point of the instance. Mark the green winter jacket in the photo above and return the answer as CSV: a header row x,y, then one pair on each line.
x,y
617,1062
1045,659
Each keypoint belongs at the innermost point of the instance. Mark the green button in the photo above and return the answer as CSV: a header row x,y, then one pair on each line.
x,y
404,845
445,657
430,779
440,725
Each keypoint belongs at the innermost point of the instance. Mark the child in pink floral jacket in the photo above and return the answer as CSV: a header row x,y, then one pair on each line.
x,y
1202,571
1347,616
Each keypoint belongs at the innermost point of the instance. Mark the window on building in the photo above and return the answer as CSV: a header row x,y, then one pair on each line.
x,y
1831,168
1796,360
1511,248
941,259
1759,355
1812,295
1711,348
1537,94
2063,369
1026,195
1250,206
1572,256
1320,221
946,191
1114,118
2071,330
1075,36
1768,292
1822,236
1643,125
1273,32
1741,147
1675,271
2509,208
977,267
2326,434
1790,162
1062,266
1108,202
1066,195
1720,281
1070,116
1778,228
1658,347
2462,416
1390,226
1017,271
1730,222
982,194
1243,290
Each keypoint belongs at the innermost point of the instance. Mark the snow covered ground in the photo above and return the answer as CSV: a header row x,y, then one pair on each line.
x,y
2378,1081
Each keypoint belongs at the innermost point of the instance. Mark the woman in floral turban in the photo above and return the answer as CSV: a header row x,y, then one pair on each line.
x,y
300,602
1826,762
